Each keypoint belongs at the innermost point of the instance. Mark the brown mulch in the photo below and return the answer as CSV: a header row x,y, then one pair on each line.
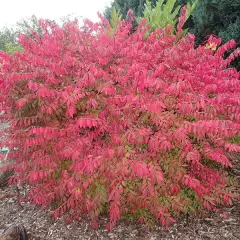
x,y
40,226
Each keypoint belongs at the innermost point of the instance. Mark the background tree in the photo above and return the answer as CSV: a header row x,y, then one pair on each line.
x,y
8,40
219,17
124,5
26,24
9,36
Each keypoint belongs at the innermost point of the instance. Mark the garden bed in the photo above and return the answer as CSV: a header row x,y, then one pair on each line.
x,y
40,226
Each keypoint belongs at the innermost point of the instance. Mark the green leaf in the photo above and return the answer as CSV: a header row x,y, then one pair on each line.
x,y
168,7
159,6
176,11
115,18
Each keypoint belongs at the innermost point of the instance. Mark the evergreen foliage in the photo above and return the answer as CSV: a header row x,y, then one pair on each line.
x,y
219,17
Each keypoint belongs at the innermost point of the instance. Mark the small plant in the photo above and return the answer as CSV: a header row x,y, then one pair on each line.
x,y
166,14
115,20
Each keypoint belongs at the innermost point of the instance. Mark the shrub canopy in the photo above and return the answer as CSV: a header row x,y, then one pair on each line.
x,y
121,123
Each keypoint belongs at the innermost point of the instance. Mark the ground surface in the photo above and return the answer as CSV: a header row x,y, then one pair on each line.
x,y
41,227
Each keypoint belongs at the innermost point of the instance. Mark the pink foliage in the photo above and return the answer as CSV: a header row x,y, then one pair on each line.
x,y
102,123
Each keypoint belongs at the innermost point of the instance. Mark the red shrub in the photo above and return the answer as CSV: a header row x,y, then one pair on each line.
x,y
122,124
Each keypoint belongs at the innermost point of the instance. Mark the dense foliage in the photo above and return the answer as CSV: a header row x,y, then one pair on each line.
x,y
120,123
